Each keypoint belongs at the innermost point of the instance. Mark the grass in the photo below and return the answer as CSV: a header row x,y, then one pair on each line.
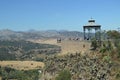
x,y
22,65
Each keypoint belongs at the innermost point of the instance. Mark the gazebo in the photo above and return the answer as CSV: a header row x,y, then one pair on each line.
x,y
88,28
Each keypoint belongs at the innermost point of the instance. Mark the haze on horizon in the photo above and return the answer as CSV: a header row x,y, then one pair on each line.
x,y
21,15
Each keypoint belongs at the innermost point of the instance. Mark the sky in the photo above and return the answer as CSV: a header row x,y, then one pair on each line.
x,y
22,15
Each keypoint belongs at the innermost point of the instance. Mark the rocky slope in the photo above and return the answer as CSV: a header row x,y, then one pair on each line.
x,y
81,67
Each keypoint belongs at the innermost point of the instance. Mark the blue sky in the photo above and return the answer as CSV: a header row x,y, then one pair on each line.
x,y
21,15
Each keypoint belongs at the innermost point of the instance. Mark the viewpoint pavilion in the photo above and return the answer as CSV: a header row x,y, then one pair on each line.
x,y
92,30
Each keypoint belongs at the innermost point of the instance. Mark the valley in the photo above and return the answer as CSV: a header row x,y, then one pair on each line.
x,y
44,59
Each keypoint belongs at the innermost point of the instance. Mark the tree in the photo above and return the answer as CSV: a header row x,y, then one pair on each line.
x,y
115,35
64,75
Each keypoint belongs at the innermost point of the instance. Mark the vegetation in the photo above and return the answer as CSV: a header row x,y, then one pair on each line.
x,y
115,38
64,75
12,74
19,49
110,50
94,44
110,46
113,34
106,47
4,53
25,45
78,67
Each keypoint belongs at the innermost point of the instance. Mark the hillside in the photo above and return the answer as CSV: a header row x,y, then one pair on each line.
x,y
20,49
81,67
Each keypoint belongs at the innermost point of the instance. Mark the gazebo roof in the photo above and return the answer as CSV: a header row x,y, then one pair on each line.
x,y
91,23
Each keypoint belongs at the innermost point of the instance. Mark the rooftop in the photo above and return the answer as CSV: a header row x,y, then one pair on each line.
x,y
91,22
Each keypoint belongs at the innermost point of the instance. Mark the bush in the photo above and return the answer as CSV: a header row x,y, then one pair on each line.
x,y
118,76
94,44
64,75
12,74
115,36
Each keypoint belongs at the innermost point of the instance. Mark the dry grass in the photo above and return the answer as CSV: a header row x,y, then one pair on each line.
x,y
68,46
22,65
0,78
45,41
74,46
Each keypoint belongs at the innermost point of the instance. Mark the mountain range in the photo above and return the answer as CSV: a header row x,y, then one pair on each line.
x,y
33,34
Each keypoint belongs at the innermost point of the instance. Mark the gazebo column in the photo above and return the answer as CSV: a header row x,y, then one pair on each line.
x,y
95,33
100,34
89,31
84,34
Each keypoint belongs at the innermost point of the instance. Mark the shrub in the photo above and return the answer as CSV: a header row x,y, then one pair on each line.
x,y
64,75
94,44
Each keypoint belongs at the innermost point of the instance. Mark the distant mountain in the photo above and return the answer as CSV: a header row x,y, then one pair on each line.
x,y
9,34
72,34
33,34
